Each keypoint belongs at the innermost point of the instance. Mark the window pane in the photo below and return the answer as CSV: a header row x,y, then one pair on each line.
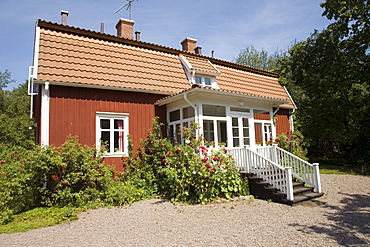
x,y
105,139
235,142
198,80
245,122
207,81
174,115
208,130
178,133
239,109
118,141
118,124
246,141
214,110
171,133
235,121
222,131
104,123
188,112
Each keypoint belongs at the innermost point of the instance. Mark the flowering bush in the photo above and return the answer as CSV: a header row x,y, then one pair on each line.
x,y
292,144
188,173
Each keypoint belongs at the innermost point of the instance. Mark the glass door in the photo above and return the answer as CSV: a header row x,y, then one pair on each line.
x,y
240,131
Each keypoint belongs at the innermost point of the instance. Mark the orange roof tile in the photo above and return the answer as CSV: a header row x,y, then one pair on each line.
x,y
83,57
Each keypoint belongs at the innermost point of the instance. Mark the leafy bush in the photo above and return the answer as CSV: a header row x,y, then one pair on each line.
x,y
70,175
294,144
187,173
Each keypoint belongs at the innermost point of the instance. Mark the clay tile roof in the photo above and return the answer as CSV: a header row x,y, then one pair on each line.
x,y
78,56
70,58
201,65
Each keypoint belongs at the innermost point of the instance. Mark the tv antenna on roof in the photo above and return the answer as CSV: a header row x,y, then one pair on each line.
x,y
128,7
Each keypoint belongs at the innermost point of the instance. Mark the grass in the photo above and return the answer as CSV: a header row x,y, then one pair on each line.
x,y
39,217
336,167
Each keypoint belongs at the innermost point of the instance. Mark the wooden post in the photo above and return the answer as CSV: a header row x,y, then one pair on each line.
x,y
317,177
289,183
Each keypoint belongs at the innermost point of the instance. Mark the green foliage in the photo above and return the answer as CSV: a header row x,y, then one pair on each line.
x,y
15,122
71,175
39,217
142,167
293,144
185,173
328,76
258,59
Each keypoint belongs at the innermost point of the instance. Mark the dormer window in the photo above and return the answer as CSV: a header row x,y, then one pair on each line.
x,y
204,81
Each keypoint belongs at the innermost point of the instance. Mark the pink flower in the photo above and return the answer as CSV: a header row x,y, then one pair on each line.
x,y
270,138
277,139
208,165
205,159
210,171
164,160
199,166
215,158
2,161
20,166
178,150
225,150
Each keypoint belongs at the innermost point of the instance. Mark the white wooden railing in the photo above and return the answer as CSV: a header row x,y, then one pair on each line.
x,y
301,169
277,166
250,161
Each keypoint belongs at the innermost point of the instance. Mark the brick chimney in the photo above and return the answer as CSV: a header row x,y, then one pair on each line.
x,y
189,45
124,28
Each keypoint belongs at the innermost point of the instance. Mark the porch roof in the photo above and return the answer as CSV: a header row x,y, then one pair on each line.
x,y
217,92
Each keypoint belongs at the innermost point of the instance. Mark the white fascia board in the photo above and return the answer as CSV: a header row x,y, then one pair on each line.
x,y
36,51
189,70
274,102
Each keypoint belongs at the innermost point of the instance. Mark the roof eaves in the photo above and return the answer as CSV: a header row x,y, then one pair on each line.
x,y
166,100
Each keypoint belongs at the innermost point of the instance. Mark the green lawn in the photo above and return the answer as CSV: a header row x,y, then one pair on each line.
x,y
332,167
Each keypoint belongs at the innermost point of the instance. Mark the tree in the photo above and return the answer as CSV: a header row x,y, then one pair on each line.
x,y
258,59
15,122
328,76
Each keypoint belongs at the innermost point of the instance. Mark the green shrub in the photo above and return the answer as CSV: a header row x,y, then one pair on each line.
x,y
71,175
293,144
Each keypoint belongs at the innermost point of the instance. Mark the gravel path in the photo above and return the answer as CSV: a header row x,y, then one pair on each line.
x,y
340,218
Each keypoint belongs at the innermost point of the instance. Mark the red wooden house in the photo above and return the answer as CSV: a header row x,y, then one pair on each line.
x,y
102,87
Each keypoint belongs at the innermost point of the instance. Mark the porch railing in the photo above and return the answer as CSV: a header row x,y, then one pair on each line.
x,y
301,169
252,162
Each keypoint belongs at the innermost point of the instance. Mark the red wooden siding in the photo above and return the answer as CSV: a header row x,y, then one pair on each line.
x,y
282,122
73,112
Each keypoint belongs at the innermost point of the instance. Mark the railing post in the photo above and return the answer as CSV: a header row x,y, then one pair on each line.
x,y
274,155
317,177
246,160
289,183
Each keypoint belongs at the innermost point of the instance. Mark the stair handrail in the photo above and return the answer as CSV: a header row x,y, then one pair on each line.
x,y
250,161
301,169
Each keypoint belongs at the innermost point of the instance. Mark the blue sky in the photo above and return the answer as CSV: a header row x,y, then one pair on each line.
x,y
220,25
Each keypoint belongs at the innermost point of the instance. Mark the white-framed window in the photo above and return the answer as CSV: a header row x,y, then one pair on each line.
x,y
204,81
112,132
179,119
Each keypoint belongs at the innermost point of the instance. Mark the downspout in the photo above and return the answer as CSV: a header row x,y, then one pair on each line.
x,y
195,112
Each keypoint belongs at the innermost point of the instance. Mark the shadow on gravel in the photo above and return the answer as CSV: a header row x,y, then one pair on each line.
x,y
348,224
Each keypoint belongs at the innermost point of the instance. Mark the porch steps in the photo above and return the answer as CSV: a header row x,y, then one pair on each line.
x,y
263,190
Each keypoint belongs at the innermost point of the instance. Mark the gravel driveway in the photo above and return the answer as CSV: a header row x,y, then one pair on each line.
x,y
340,218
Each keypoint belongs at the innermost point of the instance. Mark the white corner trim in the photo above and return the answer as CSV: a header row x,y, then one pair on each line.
x,y
290,97
45,114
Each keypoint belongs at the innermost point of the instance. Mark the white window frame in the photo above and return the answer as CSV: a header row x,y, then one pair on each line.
x,y
203,81
112,116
